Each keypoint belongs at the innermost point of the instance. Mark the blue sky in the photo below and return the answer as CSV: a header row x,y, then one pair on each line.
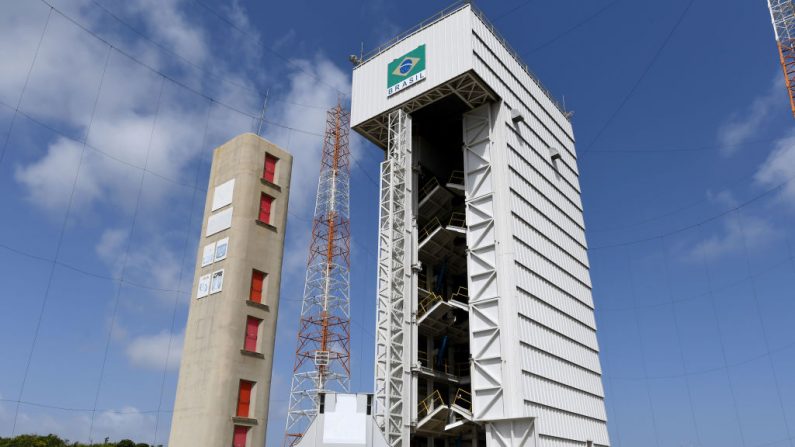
x,y
686,148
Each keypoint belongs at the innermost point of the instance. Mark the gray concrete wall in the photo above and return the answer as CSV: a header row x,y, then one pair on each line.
x,y
212,361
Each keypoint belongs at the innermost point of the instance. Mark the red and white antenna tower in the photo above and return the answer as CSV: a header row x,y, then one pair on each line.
x,y
323,354
782,12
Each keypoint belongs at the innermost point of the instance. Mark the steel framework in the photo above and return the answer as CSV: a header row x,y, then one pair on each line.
x,y
467,87
782,13
486,337
322,356
393,269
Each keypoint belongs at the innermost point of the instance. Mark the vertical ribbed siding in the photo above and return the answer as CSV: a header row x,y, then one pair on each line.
x,y
548,441
536,197
549,186
556,319
537,154
519,90
488,47
551,393
561,373
544,364
527,235
533,121
542,288
534,208
565,425
447,56
540,264
560,345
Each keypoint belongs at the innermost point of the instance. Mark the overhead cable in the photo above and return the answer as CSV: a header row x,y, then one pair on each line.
x,y
269,49
642,77
24,87
58,246
702,222
171,78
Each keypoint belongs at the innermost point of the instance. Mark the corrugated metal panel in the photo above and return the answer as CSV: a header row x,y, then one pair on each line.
x,y
488,47
532,148
494,80
549,190
534,334
547,441
528,193
544,364
447,56
541,287
554,274
560,424
526,80
539,158
538,310
555,326
552,394
540,243
516,95
526,212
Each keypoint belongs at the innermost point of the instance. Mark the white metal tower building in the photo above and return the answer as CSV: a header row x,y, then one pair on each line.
x,y
485,332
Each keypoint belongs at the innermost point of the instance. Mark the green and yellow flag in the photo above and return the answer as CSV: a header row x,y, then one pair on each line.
x,y
405,69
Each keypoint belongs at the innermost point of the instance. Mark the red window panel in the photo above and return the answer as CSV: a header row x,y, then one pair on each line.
x,y
252,332
239,438
265,203
257,282
269,174
244,398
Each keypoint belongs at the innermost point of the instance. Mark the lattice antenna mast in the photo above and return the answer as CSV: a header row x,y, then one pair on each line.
x,y
322,356
782,13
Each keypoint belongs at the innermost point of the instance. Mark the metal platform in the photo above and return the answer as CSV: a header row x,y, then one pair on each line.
x,y
432,414
460,412
456,183
437,243
436,323
434,199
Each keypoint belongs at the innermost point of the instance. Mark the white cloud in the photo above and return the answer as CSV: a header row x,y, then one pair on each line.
x,y
63,88
111,243
736,233
742,126
725,198
152,351
167,25
118,331
306,149
778,168
125,423
380,12
152,264
46,183
61,93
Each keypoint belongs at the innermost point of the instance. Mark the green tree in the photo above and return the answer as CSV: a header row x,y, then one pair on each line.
x,y
55,441
33,441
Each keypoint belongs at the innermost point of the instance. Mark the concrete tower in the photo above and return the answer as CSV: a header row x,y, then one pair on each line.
x,y
485,329
224,378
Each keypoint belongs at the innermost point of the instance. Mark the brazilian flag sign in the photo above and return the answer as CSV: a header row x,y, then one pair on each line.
x,y
406,70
